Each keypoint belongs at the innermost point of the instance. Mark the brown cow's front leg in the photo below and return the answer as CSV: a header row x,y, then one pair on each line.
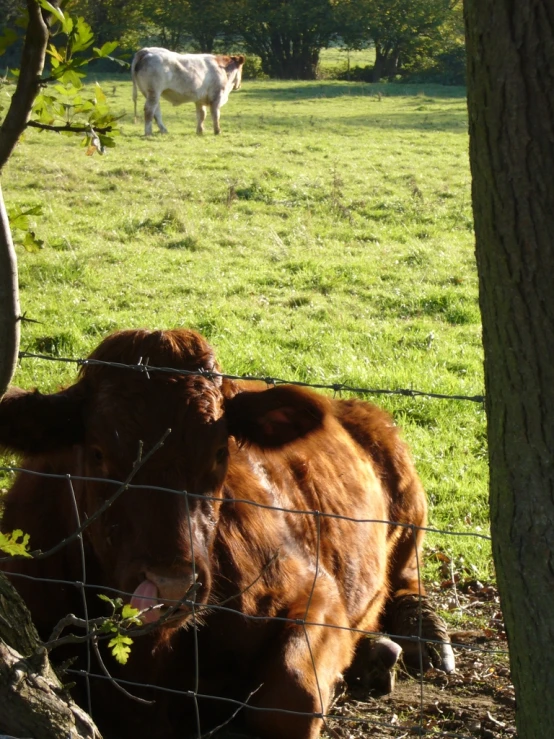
x,y
411,615
200,118
300,676
408,612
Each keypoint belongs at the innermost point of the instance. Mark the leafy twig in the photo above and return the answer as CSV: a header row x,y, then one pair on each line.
x,y
113,681
68,128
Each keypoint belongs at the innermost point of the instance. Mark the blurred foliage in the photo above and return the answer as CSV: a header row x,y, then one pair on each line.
x,y
287,36
23,227
416,39
404,32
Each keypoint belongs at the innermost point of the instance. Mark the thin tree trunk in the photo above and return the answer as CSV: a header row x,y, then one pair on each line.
x,y
32,702
511,122
28,85
13,125
9,302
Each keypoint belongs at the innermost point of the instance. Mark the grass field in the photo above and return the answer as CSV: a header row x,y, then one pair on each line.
x,y
325,236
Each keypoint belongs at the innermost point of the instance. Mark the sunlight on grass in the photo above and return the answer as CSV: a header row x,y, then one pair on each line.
x,y
325,236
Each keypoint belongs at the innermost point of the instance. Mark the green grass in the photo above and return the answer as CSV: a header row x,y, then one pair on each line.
x,y
325,236
335,61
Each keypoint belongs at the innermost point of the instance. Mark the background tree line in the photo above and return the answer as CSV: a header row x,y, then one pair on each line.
x,y
412,38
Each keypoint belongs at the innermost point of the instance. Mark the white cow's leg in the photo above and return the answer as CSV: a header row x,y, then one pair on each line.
x,y
151,110
158,117
200,118
214,109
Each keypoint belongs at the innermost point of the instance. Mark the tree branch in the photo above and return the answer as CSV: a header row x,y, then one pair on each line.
x,y
28,84
68,127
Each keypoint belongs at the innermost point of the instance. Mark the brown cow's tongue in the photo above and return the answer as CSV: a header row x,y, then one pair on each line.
x,y
146,596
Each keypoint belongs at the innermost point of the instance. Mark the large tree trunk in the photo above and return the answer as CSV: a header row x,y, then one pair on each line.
x,y
386,62
290,58
511,122
32,701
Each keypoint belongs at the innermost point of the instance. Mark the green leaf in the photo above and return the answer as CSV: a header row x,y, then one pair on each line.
x,y
54,53
106,48
67,25
19,219
106,141
121,62
129,612
72,77
52,9
121,649
99,94
32,243
10,543
82,36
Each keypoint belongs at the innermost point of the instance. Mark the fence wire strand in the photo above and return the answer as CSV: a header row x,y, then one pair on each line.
x,y
336,387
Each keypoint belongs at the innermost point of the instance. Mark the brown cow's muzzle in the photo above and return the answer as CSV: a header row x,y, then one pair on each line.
x,y
156,593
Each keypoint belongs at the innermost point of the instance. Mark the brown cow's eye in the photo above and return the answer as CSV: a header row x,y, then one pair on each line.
x,y
221,455
97,454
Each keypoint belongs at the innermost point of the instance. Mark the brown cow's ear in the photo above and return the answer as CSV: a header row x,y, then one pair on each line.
x,y
31,423
240,59
275,417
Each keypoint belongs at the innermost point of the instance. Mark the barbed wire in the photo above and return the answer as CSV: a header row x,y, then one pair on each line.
x,y
336,387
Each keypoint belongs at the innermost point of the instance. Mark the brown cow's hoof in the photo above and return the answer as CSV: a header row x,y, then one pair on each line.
x,y
374,665
429,645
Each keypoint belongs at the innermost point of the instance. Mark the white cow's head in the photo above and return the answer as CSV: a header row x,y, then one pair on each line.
x,y
237,72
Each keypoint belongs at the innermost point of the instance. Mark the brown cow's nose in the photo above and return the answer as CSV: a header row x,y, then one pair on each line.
x,y
158,589
172,588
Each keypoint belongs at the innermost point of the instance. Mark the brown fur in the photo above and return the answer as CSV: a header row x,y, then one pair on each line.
x,y
230,61
285,449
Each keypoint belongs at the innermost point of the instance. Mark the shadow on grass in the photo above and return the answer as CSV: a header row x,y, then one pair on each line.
x,y
424,119
276,90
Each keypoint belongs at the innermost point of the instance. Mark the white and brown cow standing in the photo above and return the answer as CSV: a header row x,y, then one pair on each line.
x,y
202,79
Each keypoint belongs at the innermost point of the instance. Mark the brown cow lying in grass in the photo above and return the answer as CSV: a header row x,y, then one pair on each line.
x,y
202,79
277,482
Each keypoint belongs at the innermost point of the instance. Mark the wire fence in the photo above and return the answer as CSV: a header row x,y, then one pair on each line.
x,y
336,387
94,670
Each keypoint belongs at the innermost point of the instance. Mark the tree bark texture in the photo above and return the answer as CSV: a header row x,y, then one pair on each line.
x,y
386,63
510,46
290,57
33,702
13,125
28,83
9,302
